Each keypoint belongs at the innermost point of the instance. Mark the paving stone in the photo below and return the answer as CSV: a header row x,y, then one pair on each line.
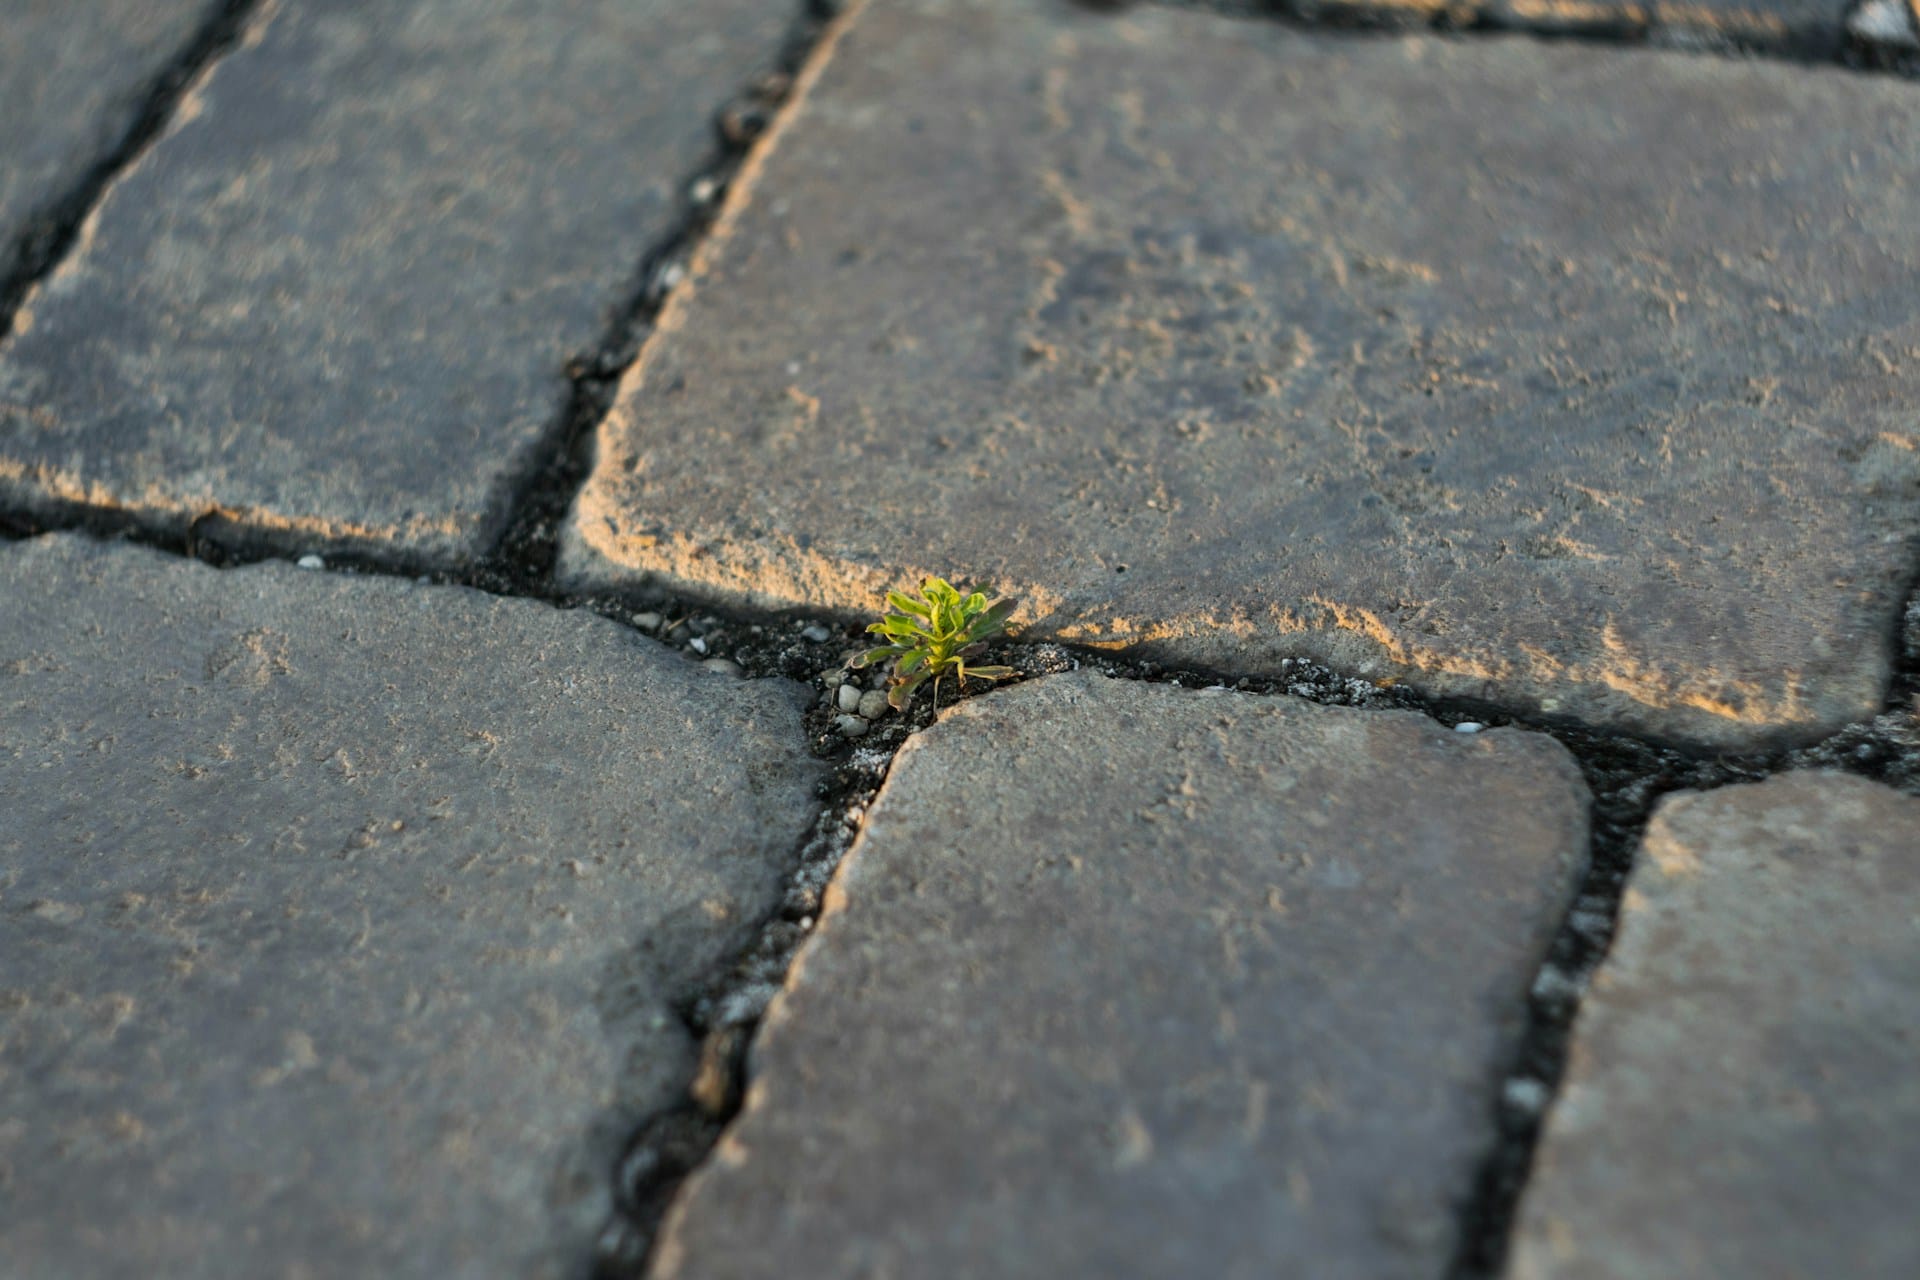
x,y
336,302
70,89
1891,27
343,915
1449,360
1122,980
1741,1097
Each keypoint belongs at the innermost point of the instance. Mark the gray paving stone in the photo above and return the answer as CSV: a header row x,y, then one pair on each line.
x,y
1121,981
335,303
342,916
70,87
1741,1098
1453,360
1889,26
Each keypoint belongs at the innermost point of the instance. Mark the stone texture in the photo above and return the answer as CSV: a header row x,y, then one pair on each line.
x,y
335,303
1892,27
342,916
1741,1098
1121,980
69,88
1451,360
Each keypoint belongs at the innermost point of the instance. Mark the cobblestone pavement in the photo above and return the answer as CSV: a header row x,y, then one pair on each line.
x,y
1455,811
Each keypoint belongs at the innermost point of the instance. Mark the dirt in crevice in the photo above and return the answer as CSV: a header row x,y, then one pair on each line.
x,y
525,555
1732,30
52,230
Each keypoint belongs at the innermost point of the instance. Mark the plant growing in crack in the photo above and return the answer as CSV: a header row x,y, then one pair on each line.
x,y
933,634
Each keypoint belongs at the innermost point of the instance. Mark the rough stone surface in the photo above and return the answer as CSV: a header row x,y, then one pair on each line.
x,y
336,302
1122,980
1453,360
341,916
69,89
1741,1098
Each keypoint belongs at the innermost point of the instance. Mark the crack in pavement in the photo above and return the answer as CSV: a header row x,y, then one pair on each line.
x,y
52,231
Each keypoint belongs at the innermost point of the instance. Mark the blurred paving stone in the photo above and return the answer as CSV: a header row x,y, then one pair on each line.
x,y
336,302
1127,981
342,916
70,86
1892,27
1459,361
1741,1098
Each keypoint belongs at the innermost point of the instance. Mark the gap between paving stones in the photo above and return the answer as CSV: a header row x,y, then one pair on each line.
x,y
529,547
1625,774
1845,45
51,231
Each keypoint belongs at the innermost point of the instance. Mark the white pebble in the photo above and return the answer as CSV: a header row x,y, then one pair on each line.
x,y
816,634
311,562
1524,1094
697,644
849,697
1468,726
647,621
723,666
850,726
873,704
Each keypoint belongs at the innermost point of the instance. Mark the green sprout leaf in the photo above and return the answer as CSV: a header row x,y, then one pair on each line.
x,y
933,635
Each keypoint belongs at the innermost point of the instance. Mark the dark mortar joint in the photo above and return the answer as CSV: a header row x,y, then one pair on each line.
x,y
523,560
1812,45
51,231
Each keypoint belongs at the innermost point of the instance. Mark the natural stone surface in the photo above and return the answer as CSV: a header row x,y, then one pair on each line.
x,y
342,916
1121,980
1741,1098
336,302
1891,26
1452,360
70,88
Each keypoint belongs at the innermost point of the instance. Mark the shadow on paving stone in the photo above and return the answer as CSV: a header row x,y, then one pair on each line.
x,y
345,919
1122,980
1741,1098
334,305
1453,361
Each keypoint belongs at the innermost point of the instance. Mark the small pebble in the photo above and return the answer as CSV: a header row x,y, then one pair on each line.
x,y
849,696
873,704
834,679
697,644
816,634
850,726
1468,726
1524,1094
311,562
723,666
647,621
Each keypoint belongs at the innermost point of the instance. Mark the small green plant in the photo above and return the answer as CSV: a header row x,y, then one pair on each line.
x,y
933,634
